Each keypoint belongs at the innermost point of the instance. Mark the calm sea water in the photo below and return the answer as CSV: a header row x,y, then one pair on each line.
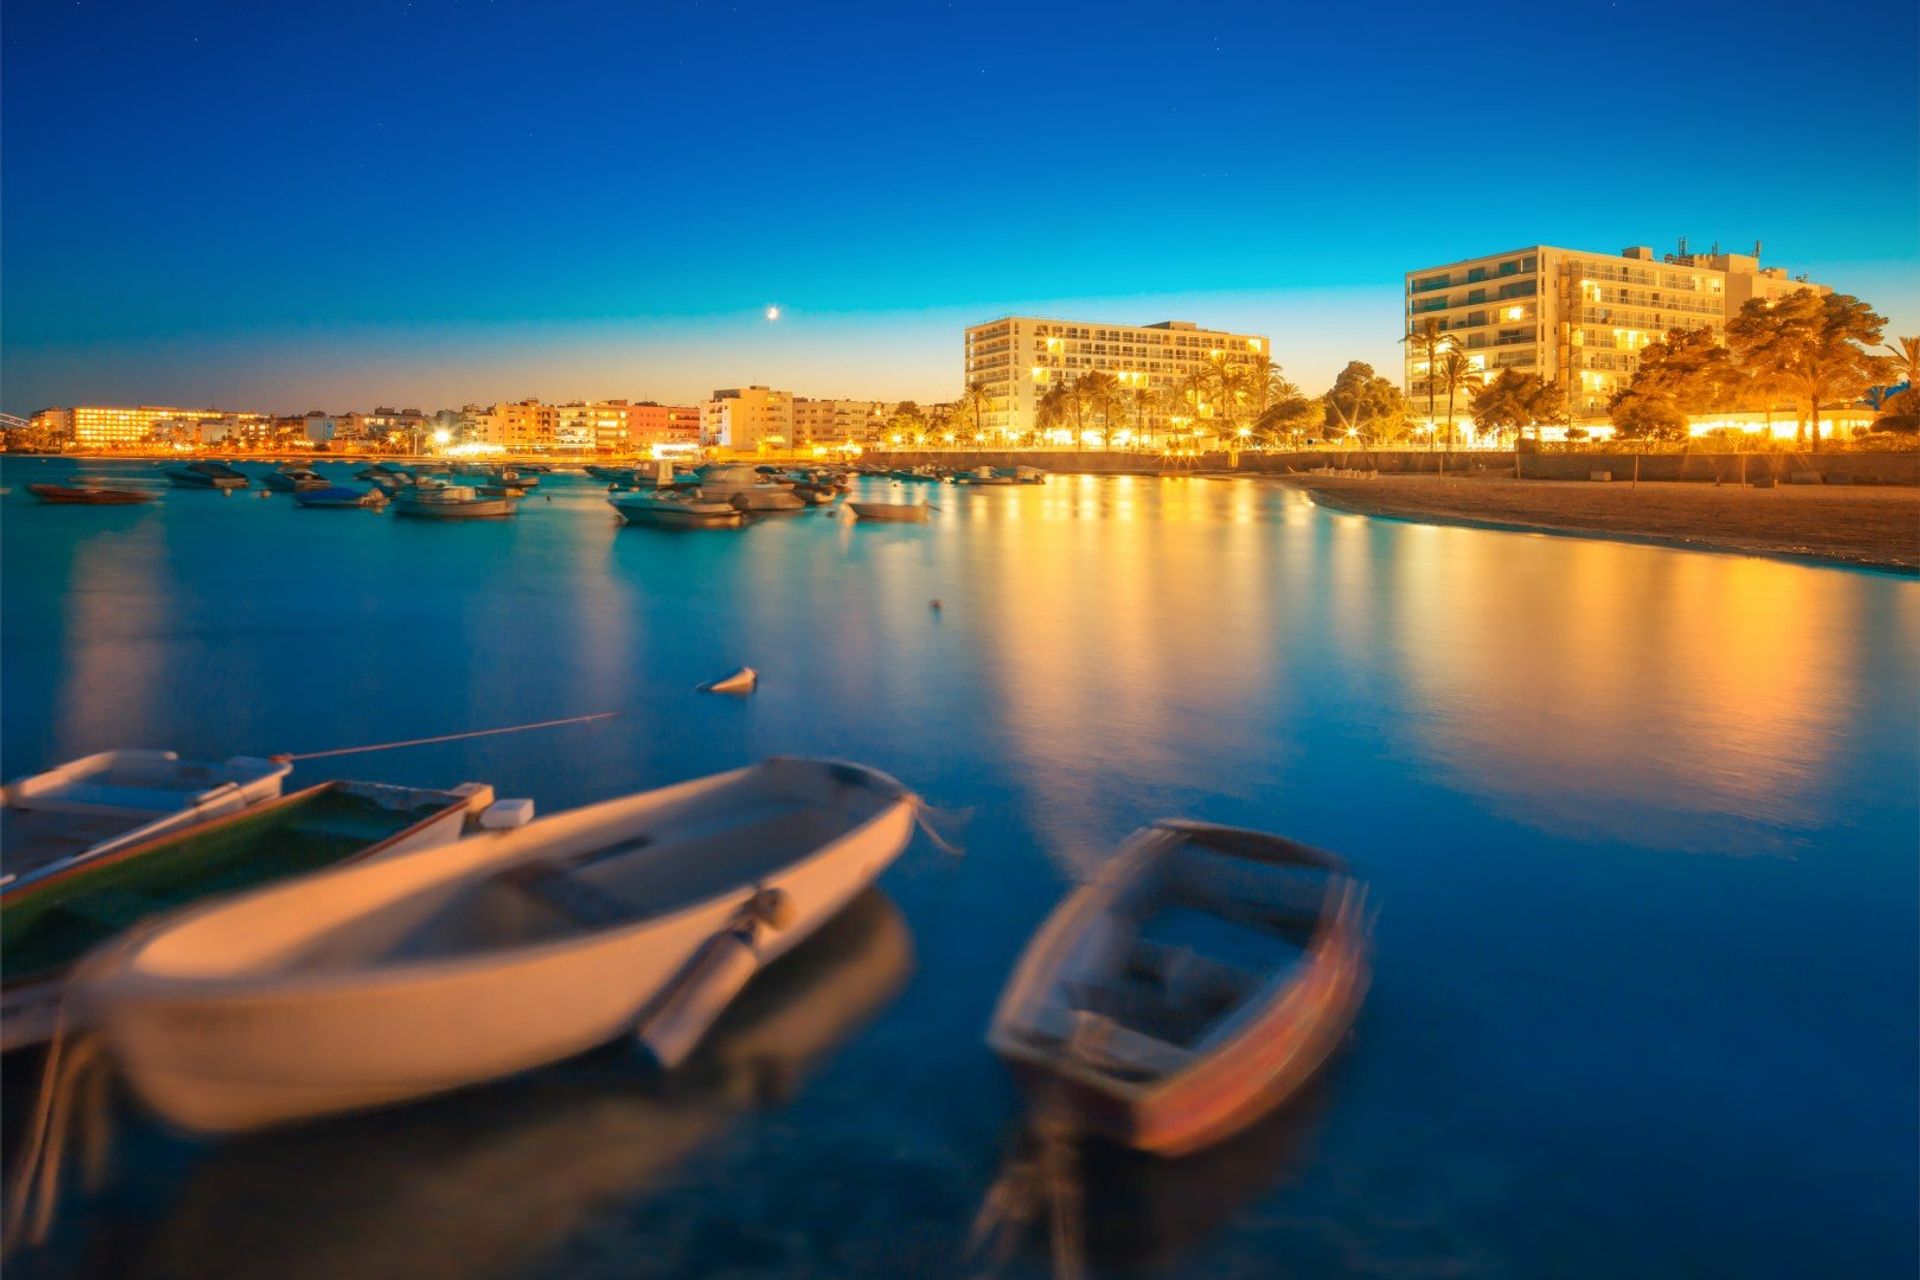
x,y
1640,825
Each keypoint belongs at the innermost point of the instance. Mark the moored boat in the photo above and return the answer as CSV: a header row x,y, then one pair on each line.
x,y
676,509
341,497
295,480
891,512
438,501
90,495
206,475
981,476
1193,985
411,975
749,490
54,820
48,925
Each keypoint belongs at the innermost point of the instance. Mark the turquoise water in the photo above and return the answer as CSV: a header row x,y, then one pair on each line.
x,y
1640,825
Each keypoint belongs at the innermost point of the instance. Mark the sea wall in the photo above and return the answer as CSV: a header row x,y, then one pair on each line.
x,y
1702,468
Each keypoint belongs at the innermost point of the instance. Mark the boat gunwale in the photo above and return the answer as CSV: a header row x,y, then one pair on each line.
x,y
119,961
142,928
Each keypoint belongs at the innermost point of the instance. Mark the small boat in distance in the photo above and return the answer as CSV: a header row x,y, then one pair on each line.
x,y
437,500
45,927
409,976
54,820
294,479
891,512
341,496
750,490
206,475
676,509
90,495
1192,986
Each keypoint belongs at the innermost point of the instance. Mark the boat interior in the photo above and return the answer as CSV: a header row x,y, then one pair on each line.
x,y
1173,962
52,924
613,866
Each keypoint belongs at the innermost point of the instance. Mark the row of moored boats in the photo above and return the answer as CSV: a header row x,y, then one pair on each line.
x,y
247,956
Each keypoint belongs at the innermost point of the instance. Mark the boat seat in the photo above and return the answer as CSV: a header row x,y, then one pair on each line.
x,y
1108,1046
576,900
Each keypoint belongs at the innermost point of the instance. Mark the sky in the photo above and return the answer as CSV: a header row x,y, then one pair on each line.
x,y
286,206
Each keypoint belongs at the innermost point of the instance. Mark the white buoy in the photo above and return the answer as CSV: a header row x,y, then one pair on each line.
x,y
740,682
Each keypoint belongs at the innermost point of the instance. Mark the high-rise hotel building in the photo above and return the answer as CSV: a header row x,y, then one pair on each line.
x,y
1576,318
1019,357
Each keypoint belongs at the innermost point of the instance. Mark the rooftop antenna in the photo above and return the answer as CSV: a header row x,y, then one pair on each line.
x,y
1683,246
1715,251
1756,248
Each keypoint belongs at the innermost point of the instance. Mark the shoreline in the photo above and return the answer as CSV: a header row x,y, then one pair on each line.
x,y
1866,529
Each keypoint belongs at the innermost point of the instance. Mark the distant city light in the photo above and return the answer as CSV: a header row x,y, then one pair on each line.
x,y
443,436
773,313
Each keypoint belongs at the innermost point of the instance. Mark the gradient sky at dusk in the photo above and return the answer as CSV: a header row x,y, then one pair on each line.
x,y
285,206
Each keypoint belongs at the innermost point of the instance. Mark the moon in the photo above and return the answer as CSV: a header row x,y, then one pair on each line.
x,y
773,313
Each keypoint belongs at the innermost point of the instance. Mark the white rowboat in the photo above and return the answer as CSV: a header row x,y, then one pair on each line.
x,y
422,973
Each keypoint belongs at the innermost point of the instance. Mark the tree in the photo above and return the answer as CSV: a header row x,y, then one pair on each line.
x,y
1816,346
1457,373
1144,397
1429,340
907,421
1906,367
1363,405
1188,395
1646,417
1515,400
973,405
1101,394
1291,417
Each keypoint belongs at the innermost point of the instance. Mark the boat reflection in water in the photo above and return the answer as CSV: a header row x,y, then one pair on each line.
x,y
487,1181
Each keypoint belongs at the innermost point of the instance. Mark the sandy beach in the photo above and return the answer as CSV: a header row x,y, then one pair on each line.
x,y
1860,526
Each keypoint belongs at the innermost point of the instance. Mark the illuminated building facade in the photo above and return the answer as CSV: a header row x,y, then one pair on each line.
x,y
1018,358
1575,318
749,418
94,426
830,422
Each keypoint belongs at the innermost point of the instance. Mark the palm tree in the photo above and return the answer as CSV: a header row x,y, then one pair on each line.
x,y
1429,340
1144,397
974,402
1051,409
1906,358
1458,373
1101,394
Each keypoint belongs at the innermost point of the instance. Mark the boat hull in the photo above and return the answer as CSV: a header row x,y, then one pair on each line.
x,y
670,515
89,497
226,1056
889,512
476,509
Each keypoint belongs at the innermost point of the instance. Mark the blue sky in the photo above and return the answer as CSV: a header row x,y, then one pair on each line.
x,y
291,206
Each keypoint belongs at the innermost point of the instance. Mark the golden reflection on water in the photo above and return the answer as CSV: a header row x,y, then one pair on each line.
x,y
117,610
1570,684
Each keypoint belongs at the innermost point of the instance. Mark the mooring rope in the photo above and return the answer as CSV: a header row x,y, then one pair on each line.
x,y
290,756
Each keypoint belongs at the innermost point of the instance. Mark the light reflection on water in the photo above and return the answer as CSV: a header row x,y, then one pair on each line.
x,y
1538,749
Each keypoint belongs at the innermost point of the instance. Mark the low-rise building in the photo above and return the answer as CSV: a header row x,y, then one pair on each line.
x,y
749,418
833,422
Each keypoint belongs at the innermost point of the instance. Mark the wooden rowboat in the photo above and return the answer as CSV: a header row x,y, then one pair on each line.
x,y
111,799
47,925
890,512
413,975
1195,984
90,495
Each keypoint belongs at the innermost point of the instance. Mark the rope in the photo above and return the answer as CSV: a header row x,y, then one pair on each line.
x,y
290,756
36,1186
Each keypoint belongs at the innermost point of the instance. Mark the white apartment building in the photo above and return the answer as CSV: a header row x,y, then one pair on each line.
x,y
1578,318
1018,358
747,418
